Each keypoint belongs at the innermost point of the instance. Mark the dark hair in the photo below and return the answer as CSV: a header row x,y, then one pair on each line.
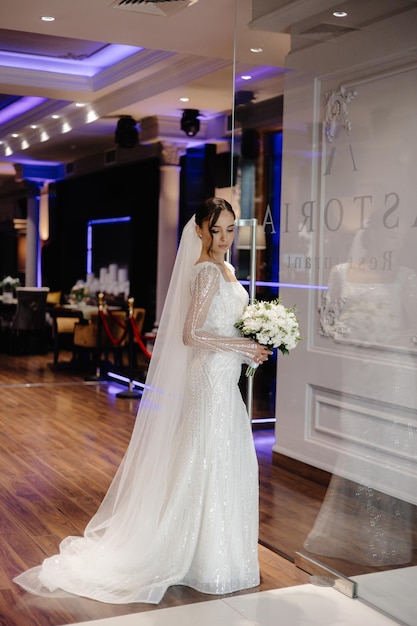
x,y
210,210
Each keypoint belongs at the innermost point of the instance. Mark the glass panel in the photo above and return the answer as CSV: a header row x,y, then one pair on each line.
x,y
257,148
346,397
340,244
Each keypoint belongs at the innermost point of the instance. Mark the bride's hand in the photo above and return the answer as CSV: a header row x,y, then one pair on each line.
x,y
262,354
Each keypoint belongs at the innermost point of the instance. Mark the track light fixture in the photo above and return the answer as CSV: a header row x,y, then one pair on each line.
x,y
126,135
190,123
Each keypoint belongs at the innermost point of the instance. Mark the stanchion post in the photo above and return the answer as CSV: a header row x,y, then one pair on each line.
x,y
97,376
130,393
252,223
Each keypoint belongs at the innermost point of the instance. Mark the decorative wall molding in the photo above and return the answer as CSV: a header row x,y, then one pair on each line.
x,y
370,438
337,111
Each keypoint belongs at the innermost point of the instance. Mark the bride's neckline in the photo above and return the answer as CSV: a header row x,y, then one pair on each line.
x,y
220,263
228,276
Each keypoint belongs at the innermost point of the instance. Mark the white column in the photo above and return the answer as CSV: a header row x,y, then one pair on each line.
x,y
32,238
168,220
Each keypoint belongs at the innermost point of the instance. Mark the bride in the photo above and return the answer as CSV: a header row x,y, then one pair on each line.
x,y
183,506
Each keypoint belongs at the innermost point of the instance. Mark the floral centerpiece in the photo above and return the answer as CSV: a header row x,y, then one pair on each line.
x,y
270,324
79,291
8,285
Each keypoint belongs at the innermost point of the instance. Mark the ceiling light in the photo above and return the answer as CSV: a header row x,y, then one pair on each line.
x,y
25,145
44,136
184,99
55,116
91,116
339,14
246,77
256,50
34,126
47,18
190,123
80,104
14,135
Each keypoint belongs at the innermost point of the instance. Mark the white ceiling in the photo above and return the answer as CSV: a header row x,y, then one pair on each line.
x,y
188,48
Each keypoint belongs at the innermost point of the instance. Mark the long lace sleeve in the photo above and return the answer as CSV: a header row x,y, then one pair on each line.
x,y
196,334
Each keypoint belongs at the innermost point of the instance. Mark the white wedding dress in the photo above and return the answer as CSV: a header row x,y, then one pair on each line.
x,y
183,507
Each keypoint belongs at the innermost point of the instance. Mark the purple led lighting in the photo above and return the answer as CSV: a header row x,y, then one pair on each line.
x,y
18,108
109,55
261,283
258,73
113,54
109,220
124,379
90,224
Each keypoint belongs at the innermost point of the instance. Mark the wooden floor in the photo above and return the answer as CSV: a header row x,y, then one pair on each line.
x,y
62,440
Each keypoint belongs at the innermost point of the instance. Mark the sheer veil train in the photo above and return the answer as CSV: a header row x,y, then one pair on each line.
x,y
142,481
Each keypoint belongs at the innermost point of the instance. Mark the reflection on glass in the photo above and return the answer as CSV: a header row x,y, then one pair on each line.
x,y
370,308
256,144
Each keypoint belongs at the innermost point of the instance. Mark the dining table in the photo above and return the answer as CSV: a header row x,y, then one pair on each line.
x,y
76,309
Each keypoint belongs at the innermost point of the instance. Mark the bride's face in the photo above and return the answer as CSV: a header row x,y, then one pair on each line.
x,y
219,238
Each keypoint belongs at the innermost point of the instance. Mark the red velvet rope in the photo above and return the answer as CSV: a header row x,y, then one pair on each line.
x,y
138,338
116,318
122,325
108,331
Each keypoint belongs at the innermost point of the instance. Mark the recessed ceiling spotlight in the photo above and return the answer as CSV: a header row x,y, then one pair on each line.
x,y
80,104
246,77
256,50
184,99
47,18
339,13
55,116
34,126
91,116
14,135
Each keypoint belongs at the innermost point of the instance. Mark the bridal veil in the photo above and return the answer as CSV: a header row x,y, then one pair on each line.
x,y
142,482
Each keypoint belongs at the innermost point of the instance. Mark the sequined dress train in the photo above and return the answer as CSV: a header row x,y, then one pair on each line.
x,y
182,509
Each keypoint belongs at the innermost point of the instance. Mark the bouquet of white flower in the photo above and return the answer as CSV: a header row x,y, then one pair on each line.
x,y
270,324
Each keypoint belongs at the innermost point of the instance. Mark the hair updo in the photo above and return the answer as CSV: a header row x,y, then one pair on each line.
x,y
210,211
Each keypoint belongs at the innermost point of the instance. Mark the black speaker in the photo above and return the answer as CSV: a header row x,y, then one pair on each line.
x,y
126,135
250,146
190,123
221,169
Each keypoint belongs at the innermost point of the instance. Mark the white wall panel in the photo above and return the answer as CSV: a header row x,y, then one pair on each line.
x,y
348,403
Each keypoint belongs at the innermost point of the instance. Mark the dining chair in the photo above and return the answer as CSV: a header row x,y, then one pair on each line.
x,y
63,328
27,329
86,336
